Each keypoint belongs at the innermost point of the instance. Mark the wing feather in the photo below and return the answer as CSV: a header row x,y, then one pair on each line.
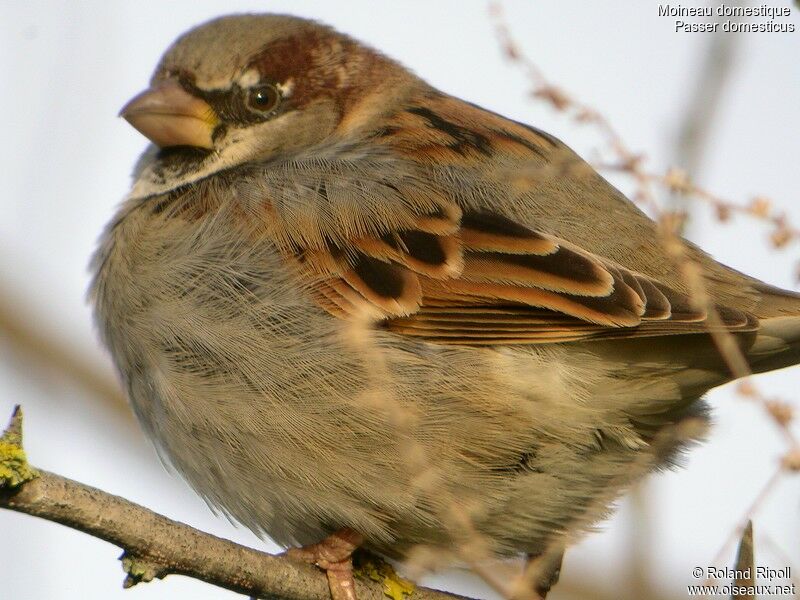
x,y
510,285
384,240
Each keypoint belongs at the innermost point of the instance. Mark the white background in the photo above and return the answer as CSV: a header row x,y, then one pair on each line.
x,y
66,70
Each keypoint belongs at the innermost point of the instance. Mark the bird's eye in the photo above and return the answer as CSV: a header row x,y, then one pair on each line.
x,y
263,98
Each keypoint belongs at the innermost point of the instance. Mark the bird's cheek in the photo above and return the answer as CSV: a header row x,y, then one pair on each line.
x,y
315,122
294,132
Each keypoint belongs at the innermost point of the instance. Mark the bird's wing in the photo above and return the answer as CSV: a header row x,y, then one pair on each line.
x,y
374,239
479,278
520,286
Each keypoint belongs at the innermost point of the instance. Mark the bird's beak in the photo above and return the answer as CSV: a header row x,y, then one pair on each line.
x,y
170,116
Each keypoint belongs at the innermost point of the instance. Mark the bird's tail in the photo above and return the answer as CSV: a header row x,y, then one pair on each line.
x,y
777,344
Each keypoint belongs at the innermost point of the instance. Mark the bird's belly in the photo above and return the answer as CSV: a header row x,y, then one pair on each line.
x,y
243,383
296,423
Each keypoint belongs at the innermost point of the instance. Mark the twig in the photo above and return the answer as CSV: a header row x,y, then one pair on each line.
x,y
630,162
155,546
745,568
676,181
670,223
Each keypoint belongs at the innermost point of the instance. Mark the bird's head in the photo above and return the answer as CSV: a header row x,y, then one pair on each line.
x,y
254,88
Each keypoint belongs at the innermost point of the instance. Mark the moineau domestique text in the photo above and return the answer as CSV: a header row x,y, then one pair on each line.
x,y
723,10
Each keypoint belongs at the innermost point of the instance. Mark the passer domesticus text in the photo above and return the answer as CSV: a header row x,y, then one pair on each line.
x,y
341,300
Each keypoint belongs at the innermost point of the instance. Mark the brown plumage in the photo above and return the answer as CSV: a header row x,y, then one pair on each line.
x,y
339,298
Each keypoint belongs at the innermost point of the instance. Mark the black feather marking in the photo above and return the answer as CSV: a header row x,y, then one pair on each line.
x,y
550,139
525,464
425,247
681,305
546,137
621,303
382,278
522,142
463,137
495,224
565,264
656,302
391,240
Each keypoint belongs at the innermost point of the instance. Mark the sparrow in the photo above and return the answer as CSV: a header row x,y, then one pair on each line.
x,y
352,310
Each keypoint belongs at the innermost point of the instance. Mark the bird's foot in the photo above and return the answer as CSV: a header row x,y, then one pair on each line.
x,y
334,555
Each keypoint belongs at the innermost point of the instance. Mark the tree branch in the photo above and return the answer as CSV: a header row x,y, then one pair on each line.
x,y
155,546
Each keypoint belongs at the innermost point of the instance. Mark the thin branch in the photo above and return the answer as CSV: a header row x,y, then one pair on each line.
x,y
632,163
745,567
155,546
669,223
